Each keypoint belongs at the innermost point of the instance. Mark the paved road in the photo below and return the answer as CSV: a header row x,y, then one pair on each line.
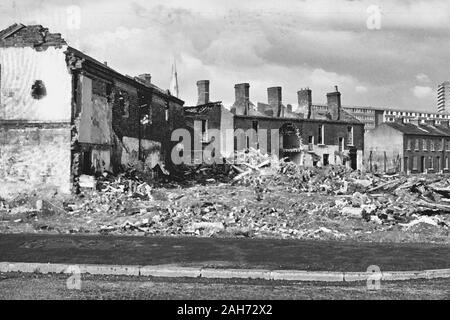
x,y
38,286
218,252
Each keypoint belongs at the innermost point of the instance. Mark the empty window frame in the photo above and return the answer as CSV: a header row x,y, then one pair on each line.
x,y
341,144
204,130
321,133
350,135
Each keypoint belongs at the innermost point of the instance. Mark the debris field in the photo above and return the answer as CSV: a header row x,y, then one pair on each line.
x,y
257,196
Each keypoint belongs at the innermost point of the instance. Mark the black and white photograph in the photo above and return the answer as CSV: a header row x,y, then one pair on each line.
x,y
224,155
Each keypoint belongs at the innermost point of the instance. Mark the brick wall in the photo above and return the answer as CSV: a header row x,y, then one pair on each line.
x,y
330,147
332,130
21,68
34,158
426,158
35,36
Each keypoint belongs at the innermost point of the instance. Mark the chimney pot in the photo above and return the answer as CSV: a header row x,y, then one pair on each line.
x,y
274,100
304,98
146,78
203,92
242,97
334,104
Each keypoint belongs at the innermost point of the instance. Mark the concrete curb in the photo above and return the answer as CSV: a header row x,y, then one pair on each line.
x,y
211,273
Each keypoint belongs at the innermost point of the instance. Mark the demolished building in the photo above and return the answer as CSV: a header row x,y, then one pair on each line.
x,y
323,139
64,114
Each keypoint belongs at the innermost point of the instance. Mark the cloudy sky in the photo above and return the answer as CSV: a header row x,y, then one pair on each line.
x,y
397,60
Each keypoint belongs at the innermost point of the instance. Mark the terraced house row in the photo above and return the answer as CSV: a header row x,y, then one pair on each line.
x,y
411,147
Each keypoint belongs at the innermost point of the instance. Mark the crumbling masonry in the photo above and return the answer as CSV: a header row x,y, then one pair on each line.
x,y
63,114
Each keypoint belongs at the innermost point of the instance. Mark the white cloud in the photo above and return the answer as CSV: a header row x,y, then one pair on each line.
x,y
361,89
422,92
291,43
421,77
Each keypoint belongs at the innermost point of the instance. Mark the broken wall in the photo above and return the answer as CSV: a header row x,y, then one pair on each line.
x,y
34,85
383,149
332,131
35,114
96,114
34,158
146,151
94,125
139,142
226,125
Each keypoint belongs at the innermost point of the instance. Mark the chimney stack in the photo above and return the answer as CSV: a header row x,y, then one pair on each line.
x,y
242,97
304,97
203,92
145,78
274,100
334,104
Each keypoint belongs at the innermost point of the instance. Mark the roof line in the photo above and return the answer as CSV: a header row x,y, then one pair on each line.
x,y
15,27
154,88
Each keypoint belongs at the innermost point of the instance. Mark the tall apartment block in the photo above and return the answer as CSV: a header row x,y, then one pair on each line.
x,y
443,97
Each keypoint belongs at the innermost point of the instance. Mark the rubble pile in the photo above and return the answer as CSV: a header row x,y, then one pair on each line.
x,y
257,196
403,200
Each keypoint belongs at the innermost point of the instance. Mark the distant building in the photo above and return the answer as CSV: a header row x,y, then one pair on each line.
x,y
443,97
371,116
332,137
392,115
410,147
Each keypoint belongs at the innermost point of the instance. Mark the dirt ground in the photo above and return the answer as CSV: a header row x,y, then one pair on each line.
x,y
42,287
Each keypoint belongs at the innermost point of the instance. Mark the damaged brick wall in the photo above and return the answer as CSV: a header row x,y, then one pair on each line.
x,y
217,118
35,112
379,155
35,36
33,158
25,72
330,146
143,135
116,114
45,81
